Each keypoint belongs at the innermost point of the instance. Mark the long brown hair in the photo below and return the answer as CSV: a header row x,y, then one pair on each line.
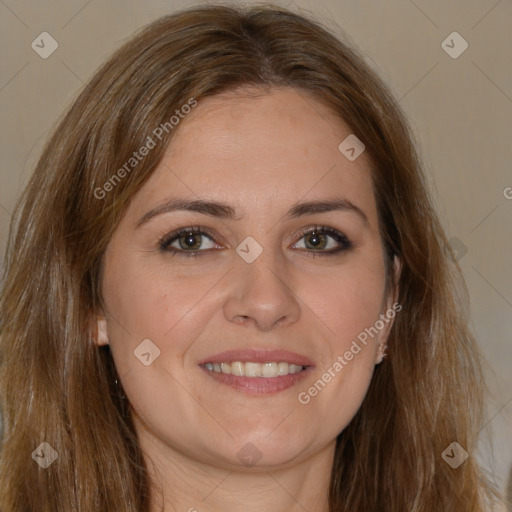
x,y
57,386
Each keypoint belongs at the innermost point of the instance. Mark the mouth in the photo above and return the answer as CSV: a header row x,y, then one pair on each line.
x,y
257,372
249,369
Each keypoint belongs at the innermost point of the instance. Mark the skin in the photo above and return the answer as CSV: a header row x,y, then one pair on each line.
x,y
261,154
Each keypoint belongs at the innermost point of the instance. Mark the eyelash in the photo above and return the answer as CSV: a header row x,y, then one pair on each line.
x,y
164,243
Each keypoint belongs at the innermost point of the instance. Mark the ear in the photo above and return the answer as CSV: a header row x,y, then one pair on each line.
x,y
390,309
99,328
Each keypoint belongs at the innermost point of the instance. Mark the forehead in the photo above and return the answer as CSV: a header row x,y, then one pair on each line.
x,y
260,152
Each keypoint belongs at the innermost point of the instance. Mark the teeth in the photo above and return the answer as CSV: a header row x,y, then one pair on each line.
x,y
282,368
225,368
269,370
237,368
252,369
249,369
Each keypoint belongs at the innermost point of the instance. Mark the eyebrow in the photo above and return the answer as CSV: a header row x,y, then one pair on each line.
x,y
225,211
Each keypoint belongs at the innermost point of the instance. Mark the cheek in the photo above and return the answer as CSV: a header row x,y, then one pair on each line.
x,y
342,380
348,300
149,302
347,304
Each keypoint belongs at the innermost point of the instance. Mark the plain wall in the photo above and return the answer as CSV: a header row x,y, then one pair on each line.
x,y
460,109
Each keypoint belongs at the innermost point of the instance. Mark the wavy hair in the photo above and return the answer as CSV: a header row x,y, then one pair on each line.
x,y
57,386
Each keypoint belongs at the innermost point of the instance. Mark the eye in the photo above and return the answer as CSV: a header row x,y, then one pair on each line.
x,y
188,241
317,239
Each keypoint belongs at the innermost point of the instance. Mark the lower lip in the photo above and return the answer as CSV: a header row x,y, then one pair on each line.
x,y
259,385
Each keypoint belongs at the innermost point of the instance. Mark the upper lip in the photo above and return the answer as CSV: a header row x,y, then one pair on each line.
x,y
258,356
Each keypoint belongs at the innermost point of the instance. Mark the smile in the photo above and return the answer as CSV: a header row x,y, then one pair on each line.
x,y
250,369
257,378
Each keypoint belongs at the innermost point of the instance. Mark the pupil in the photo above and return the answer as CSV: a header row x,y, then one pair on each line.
x,y
314,236
189,240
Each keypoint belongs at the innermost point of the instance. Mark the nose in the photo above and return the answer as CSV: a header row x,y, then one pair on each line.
x,y
262,293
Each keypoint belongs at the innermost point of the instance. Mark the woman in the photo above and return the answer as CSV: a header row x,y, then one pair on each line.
x,y
226,289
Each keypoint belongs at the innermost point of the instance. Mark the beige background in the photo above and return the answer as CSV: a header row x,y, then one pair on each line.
x,y
460,108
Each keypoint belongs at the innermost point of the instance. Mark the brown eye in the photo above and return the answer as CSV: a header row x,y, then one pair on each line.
x,y
317,241
190,241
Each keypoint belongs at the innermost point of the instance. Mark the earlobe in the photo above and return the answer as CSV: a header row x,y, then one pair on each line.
x,y
101,337
381,354
392,307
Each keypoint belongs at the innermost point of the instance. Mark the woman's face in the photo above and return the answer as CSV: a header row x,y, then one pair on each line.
x,y
258,288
